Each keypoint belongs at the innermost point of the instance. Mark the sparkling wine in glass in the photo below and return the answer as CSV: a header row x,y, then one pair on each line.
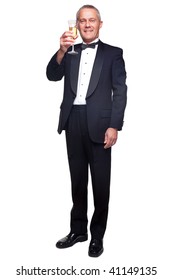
x,y
72,27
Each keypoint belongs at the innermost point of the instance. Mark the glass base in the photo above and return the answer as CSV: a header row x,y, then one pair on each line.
x,y
73,52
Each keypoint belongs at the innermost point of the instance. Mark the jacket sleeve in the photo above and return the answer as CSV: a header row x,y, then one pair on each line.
x,y
119,97
55,71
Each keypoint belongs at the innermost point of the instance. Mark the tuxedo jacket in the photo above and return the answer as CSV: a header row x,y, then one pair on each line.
x,y
107,91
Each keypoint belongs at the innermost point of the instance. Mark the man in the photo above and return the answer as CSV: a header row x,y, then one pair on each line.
x,y
92,113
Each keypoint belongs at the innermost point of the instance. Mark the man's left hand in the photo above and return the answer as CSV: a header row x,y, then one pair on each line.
x,y
111,136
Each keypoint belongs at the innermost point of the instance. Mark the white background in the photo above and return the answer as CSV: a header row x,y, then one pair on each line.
x,y
35,195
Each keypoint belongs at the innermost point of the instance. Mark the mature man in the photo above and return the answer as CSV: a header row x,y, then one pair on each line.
x,y
92,113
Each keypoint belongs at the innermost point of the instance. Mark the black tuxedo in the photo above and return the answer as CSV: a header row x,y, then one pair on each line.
x,y
105,106
106,96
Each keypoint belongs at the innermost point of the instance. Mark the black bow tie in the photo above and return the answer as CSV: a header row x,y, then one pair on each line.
x,y
85,46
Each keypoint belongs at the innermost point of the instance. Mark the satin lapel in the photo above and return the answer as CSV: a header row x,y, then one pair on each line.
x,y
75,60
97,67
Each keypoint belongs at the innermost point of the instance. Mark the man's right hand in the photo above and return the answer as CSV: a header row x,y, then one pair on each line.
x,y
66,40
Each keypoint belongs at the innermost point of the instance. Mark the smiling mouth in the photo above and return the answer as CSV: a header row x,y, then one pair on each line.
x,y
88,31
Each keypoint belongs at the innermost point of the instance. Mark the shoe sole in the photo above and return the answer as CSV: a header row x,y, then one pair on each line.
x,y
95,255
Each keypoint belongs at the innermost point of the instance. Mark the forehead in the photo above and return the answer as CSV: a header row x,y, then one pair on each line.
x,y
88,13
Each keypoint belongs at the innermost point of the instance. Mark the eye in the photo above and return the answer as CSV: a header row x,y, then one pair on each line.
x,y
92,20
82,21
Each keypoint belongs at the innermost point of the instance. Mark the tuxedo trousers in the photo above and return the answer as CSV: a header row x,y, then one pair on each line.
x,y
85,155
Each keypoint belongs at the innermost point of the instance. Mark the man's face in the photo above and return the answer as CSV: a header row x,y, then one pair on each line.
x,y
88,24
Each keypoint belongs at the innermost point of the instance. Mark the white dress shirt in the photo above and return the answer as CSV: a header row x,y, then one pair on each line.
x,y
85,69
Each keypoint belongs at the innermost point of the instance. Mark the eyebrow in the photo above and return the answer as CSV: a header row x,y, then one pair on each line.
x,y
87,19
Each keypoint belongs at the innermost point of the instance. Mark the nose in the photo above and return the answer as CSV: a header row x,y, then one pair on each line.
x,y
87,23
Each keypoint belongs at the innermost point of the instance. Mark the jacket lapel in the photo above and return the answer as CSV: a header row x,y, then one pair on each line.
x,y
74,71
97,67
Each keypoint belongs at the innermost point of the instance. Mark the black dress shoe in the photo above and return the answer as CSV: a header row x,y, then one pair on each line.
x,y
95,247
71,239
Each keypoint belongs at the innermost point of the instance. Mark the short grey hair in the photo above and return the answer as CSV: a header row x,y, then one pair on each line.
x,y
88,7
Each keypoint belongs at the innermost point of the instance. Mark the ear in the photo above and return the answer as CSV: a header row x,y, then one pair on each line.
x,y
77,24
101,24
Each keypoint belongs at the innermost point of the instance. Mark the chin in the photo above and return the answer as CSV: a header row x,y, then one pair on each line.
x,y
88,38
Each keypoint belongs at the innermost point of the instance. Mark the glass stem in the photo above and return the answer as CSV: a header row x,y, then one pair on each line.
x,y
72,48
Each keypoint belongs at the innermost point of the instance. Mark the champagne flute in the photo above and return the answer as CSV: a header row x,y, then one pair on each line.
x,y
72,27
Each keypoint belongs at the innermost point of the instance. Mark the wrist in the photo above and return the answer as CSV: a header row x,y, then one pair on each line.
x,y
60,55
